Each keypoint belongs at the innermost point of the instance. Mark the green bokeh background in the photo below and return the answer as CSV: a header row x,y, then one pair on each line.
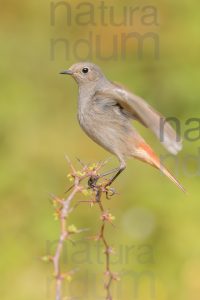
x,y
39,126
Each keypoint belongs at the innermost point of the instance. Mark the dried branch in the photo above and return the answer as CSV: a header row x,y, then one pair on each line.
x,y
106,217
63,207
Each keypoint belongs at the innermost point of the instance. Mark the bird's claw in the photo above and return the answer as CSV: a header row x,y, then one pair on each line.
x,y
93,181
110,192
105,188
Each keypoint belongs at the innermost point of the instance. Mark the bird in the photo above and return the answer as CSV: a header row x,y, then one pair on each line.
x,y
105,112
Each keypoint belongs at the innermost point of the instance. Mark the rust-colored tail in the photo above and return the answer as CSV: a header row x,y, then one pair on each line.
x,y
146,154
170,176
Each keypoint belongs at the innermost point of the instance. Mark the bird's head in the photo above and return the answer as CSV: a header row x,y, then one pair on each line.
x,y
84,72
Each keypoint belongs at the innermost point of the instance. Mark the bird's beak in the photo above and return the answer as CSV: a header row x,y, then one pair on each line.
x,y
68,72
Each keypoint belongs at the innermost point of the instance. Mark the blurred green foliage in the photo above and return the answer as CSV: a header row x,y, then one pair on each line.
x,y
39,126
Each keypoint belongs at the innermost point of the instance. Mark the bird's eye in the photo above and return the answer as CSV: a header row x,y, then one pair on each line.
x,y
85,70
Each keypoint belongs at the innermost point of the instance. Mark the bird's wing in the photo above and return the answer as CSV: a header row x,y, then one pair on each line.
x,y
139,109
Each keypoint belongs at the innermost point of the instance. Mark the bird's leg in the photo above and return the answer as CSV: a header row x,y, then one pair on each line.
x,y
93,179
110,172
119,171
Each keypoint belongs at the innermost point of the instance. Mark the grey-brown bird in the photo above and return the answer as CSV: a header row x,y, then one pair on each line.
x,y
105,110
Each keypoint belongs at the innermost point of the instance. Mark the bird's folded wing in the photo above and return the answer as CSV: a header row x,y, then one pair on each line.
x,y
138,109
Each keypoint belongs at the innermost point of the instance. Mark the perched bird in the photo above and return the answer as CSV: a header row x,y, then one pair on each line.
x,y
105,110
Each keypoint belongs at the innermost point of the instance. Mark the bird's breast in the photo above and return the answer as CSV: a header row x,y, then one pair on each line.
x,y
87,117
104,123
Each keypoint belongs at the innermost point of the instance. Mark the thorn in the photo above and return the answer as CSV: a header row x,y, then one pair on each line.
x,y
67,159
81,162
69,189
52,196
70,163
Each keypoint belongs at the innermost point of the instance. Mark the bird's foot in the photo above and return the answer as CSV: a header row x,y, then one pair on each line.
x,y
93,181
92,184
110,192
105,188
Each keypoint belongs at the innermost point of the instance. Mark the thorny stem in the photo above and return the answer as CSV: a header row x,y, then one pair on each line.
x,y
63,236
107,251
64,208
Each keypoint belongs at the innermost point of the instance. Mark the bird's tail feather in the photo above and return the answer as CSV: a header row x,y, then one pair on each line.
x,y
146,154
